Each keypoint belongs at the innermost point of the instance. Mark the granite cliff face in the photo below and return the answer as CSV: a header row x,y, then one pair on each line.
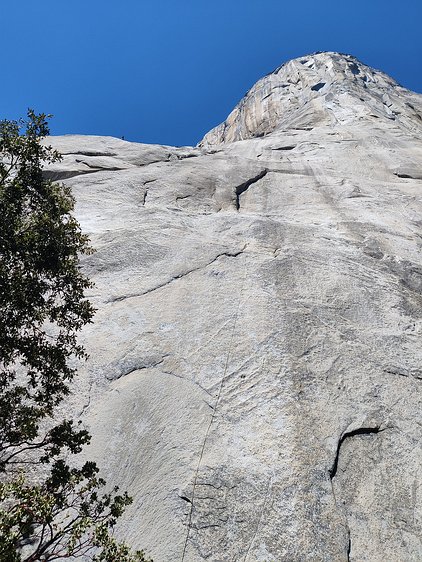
x,y
322,89
255,372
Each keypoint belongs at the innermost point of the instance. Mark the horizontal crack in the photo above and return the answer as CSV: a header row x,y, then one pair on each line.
x,y
142,367
401,372
95,168
202,527
90,153
65,175
287,147
407,176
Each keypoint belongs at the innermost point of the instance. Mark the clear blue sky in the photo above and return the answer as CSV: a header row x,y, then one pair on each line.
x,y
167,71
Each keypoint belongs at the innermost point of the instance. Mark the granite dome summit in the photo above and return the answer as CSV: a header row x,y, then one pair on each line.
x,y
322,88
254,378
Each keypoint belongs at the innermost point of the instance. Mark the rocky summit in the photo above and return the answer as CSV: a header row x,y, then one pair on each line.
x,y
255,364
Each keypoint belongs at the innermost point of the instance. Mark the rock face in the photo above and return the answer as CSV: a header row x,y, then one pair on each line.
x,y
256,365
323,89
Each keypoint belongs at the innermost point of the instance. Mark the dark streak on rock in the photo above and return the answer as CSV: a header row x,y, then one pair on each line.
x,y
402,372
349,547
406,176
288,147
396,371
318,86
267,96
184,498
90,153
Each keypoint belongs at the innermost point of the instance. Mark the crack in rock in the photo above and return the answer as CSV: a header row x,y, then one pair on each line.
x,y
139,366
287,147
89,153
408,176
347,435
246,185
402,372
349,547
184,498
146,190
176,277
333,471
97,168
67,174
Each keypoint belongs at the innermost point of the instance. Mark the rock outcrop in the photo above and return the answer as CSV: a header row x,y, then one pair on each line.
x,y
322,89
256,366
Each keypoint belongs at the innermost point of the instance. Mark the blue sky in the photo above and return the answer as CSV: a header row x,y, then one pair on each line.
x,y
167,71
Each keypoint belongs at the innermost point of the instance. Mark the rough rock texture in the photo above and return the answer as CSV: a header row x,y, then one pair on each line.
x,y
255,372
323,89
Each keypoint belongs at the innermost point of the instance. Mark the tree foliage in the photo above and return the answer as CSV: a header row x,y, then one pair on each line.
x,y
50,508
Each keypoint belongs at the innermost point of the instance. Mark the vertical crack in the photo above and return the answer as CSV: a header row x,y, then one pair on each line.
x,y
146,190
333,470
191,500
